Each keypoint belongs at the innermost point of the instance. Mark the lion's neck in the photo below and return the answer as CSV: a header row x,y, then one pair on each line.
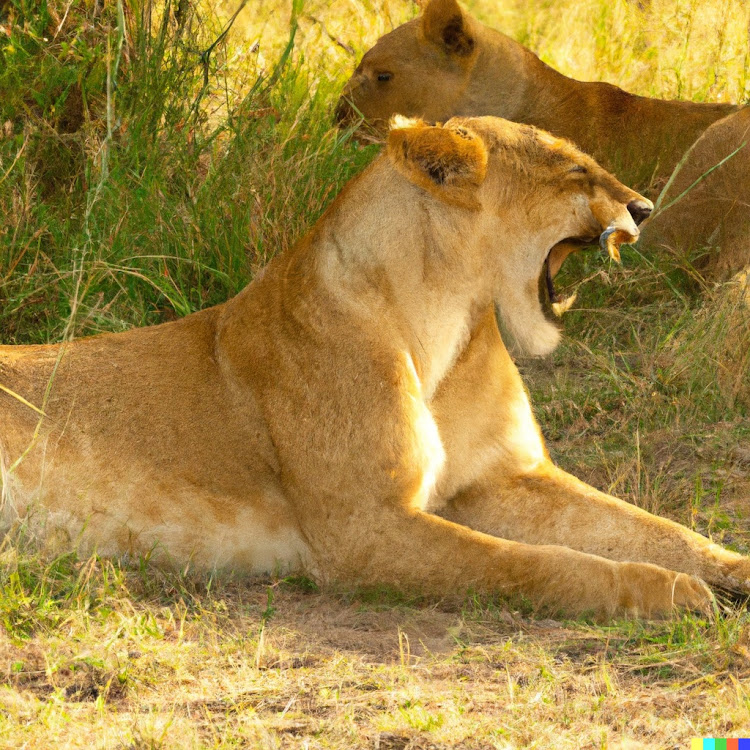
x,y
512,82
410,278
437,329
426,312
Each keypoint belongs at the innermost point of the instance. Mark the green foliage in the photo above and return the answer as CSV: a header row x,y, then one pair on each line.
x,y
39,595
138,190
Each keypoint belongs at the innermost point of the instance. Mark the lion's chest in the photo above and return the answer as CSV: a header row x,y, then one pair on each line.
x,y
427,454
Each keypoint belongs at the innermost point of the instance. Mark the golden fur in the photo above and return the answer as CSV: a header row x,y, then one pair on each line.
x,y
708,206
354,412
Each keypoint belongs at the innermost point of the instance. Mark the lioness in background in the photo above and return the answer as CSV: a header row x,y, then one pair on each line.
x,y
707,204
446,63
354,411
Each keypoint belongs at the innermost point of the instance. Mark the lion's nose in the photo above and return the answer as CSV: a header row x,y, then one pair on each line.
x,y
640,210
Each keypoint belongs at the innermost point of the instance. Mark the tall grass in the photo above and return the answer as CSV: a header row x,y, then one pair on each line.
x,y
145,178
664,48
150,165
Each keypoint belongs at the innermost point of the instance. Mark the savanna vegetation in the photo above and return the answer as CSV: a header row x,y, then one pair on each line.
x,y
152,158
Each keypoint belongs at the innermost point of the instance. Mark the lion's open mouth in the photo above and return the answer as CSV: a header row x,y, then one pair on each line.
x,y
609,241
553,303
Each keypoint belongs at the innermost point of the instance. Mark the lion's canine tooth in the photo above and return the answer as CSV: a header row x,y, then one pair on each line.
x,y
564,304
611,239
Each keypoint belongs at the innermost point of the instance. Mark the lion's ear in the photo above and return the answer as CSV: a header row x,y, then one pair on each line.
x,y
444,24
448,162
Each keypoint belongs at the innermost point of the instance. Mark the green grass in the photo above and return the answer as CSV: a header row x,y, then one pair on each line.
x,y
119,223
132,192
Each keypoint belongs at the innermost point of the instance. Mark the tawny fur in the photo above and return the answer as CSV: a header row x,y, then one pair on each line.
x,y
707,205
354,412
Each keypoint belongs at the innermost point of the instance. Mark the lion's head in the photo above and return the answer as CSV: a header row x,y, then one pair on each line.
x,y
513,200
425,68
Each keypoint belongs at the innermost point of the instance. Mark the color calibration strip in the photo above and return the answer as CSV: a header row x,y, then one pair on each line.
x,y
707,743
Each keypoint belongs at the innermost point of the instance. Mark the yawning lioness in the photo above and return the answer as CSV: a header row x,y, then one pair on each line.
x,y
354,411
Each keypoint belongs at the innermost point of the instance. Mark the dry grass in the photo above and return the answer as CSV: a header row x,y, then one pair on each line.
x,y
123,658
664,48
136,207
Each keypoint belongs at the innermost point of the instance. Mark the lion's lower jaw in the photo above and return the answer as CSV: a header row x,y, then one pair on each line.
x,y
537,340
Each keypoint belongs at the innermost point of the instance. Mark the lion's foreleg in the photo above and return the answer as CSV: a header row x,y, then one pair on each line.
x,y
419,551
549,506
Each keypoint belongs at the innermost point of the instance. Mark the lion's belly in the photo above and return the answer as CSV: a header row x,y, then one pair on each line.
x,y
122,509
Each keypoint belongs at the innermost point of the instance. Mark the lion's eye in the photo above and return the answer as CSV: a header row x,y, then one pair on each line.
x,y
385,76
578,168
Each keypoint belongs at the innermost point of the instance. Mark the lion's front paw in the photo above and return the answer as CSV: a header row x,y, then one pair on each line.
x,y
653,592
736,577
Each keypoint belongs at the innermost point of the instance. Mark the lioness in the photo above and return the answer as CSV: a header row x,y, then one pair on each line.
x,y
707,204
353,411
446,63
